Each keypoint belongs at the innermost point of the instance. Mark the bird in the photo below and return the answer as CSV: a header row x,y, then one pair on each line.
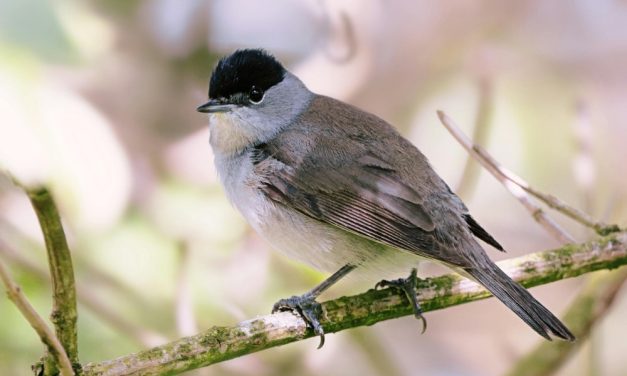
x,y
340,189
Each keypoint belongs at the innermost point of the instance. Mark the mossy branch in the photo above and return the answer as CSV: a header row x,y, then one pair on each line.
x,y
222,343
15,294
64,313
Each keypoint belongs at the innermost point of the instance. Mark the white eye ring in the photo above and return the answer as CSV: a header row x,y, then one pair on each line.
x,y
259,101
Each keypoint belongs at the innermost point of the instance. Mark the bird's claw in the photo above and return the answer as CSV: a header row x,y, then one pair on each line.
x,y
408,287
307,308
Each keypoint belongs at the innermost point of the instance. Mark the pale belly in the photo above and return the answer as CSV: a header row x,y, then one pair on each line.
x,y
322,246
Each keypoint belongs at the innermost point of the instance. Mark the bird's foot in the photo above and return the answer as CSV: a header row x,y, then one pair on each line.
x,y
408,287
307,308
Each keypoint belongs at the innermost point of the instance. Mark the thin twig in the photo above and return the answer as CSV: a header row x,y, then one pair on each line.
x,y
557,204
584,313
222,343
502,173
598,294
506,178
47,336
64,313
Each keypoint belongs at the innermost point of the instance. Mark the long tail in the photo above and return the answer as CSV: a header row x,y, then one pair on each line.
x,y
519,300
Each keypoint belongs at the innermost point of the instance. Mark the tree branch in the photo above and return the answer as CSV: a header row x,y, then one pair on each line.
x,y
15,294
64,313
518,187
222,343
506,178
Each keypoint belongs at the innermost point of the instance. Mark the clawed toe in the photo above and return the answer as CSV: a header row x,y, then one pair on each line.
x,y
408,287
307,308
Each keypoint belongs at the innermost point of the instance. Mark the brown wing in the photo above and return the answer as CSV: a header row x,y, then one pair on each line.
x,y
367,198
328,165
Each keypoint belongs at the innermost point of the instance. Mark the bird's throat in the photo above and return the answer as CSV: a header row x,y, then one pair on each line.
x,y
228,135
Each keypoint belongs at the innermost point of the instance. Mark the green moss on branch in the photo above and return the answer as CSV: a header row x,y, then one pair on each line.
x,y
64,313
222,343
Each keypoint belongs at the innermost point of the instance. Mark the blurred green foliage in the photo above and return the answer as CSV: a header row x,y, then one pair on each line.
x,y
97,101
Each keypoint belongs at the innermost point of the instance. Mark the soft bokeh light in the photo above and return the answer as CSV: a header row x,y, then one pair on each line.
x,y
97,100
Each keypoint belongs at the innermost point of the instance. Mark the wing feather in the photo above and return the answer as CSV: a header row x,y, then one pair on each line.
x,y
369,203
335,174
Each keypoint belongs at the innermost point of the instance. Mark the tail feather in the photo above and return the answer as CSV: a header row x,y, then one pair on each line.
x,y
519,300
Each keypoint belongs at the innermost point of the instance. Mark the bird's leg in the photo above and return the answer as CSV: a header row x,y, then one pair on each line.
x,y
408,287
307,306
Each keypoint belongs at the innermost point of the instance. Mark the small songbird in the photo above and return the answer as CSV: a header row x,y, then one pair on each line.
x,y
340,189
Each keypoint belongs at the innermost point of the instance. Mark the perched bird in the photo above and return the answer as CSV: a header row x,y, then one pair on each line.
x,y
339,188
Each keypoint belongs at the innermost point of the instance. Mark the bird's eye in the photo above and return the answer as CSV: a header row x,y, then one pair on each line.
x,y
255,95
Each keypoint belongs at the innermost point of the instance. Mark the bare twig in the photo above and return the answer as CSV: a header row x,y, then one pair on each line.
x,y
592,304
557,204
502,174
222,343
15,294
64,313
507,179
597,295
470,176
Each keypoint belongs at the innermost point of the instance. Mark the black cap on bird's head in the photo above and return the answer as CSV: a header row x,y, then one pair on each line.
x,y
241,70
241,79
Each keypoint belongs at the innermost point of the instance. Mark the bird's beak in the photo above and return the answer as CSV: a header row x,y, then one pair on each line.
x,y
215,105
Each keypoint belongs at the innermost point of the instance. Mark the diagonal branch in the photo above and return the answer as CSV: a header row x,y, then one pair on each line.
x,y
519,187
64,313
222,343
15,294
505,177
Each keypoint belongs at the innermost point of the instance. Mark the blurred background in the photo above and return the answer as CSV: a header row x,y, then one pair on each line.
x,y
98,98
